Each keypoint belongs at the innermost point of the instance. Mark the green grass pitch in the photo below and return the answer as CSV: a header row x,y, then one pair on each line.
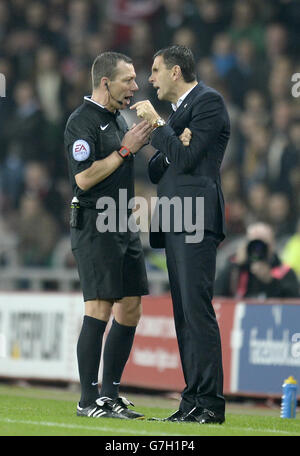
x,y
52,412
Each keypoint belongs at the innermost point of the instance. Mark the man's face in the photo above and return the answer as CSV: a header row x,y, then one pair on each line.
x,y
123,86
161,79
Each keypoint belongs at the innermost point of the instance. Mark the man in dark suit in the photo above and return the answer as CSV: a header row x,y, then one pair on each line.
x,y
191,171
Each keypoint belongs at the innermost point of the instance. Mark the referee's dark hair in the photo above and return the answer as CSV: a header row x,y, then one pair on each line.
x,y
181,56
105,65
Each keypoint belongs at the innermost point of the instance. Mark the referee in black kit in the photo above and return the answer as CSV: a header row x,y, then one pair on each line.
x,y
100,151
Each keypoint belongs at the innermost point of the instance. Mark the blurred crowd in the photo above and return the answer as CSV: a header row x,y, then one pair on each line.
x,y
246,49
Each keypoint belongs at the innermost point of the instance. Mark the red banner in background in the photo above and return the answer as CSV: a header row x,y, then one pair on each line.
x,y
225,309
154,361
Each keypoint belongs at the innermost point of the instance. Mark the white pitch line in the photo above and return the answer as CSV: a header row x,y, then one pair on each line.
x,y
251,429
77,426
135,432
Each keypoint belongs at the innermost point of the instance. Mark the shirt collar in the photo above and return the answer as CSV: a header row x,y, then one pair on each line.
x,y
94,103
175,106
89,98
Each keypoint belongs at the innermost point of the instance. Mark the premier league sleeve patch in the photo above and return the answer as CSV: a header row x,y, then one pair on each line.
x,y
81,150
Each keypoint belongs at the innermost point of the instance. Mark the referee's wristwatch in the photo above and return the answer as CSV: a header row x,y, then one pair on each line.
x,y
125,153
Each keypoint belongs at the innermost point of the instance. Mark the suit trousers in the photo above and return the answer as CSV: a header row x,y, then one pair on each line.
x,y
191,269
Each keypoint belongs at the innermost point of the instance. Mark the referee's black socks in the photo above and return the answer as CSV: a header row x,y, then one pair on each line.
x,y
89,348
116,353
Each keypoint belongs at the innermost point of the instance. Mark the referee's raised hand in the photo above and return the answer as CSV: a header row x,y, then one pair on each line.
x,y
137,136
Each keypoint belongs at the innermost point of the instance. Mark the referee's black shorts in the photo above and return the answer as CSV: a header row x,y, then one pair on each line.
x,y
111,265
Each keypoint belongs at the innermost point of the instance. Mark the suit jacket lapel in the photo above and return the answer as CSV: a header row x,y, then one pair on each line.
x,y
175,115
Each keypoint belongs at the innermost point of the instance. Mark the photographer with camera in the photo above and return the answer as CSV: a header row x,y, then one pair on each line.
x,y
256,270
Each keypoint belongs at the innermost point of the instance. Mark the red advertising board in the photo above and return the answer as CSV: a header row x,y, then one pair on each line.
x,y
225,309
154,361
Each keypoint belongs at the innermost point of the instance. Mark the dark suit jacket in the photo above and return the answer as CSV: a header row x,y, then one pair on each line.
x,y
194,170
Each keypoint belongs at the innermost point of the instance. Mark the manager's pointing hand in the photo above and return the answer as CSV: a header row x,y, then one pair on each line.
x,y
146,111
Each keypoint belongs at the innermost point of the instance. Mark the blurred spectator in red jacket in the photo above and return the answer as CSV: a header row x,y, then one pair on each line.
x,y
256,270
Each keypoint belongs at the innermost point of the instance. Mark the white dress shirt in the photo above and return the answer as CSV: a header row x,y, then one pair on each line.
x,y
176,106
180,100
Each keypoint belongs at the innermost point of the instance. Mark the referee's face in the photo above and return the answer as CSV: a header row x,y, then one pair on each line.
x,y
123,86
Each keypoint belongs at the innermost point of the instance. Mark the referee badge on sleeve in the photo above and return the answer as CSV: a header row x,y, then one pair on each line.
x,y
81,150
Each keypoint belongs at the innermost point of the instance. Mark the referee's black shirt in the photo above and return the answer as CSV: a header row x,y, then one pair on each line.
x,y
92,133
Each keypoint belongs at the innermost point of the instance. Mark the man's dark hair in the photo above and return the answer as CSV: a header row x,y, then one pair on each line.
x,y
181,56
105,64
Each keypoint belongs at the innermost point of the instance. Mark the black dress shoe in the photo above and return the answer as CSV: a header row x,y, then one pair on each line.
x,y
205,416
178,416
187,418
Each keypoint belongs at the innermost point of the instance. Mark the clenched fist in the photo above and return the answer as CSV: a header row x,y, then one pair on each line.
x,y
186,137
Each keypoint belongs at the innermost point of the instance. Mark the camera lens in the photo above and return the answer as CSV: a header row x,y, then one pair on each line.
x,y
257,251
